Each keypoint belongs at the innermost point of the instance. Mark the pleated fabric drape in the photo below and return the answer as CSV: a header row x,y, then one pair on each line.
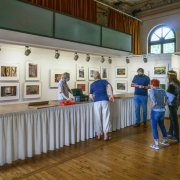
x,y
85,9
126,24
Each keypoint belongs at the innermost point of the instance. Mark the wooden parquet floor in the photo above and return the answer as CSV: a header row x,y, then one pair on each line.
x,y
127,156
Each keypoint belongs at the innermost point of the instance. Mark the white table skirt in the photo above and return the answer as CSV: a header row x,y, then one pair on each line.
x,y
24,134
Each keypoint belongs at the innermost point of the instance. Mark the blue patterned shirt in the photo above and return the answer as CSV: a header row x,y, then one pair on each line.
x,y
62,88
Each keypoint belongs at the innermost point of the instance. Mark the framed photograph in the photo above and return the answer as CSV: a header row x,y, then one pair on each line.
x,y
91,70
9,91
81,73
160,70
55,77
82,85
177,70
32,71
9,72
32,90
122,71
121,86
134,73
104,72
163,85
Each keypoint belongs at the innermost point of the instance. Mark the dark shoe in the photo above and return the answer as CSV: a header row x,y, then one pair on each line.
x,y
170,135
145,125
136,125
174,139
108,138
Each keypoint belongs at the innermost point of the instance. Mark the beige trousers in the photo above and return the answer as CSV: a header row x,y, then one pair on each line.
x,y
102,114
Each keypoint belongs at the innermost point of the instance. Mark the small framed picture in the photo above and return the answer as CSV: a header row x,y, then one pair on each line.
x,y
121,86
9,91
91,71
104,72
122,71
177,71
32,71
81,73
9,72
82,85
163,85
160,70
32,90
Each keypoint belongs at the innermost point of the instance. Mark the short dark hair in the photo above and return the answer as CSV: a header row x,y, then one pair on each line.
x,y
141,70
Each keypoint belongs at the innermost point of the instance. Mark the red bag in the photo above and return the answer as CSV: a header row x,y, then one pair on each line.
x,y
67,103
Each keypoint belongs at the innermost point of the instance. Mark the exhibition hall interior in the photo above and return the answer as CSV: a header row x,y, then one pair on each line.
x,y
89,89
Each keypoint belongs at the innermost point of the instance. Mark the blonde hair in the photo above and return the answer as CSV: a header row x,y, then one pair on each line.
x,y
96,75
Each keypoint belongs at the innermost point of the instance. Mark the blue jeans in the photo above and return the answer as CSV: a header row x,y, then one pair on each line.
x,y
158,118
141,100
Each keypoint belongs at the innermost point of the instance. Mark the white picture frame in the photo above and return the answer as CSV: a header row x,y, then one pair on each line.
x,y
124,87
162,84
134,73
104,72
177,70
9,71
80,84
29,90
121,71
81,72
33,71
9,91
91,69
162,73
55,77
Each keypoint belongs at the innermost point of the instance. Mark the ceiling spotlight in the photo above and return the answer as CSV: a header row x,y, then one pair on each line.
x,y
57,54
110,60
127,60
88,58
76,56
27,51
102,59
145,59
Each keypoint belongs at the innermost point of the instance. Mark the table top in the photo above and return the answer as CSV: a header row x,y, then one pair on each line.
x,y
24,106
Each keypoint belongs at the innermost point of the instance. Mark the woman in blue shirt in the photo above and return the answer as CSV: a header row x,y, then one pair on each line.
x,y
101,105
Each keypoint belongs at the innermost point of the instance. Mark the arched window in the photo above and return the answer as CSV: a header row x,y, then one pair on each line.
x,y
162,40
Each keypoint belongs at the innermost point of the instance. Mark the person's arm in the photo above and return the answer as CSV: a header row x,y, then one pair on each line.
x,y
68,89
169,99
134,84
153,99
145,87
91,93
111,92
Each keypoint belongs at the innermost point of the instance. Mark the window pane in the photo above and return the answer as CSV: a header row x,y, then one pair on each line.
x,y
165,31
154,38
170,35
156,49
158,32
168,48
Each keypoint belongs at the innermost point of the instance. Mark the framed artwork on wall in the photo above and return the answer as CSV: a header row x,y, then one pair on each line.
x,y
32,71
134,73
91,70
121,86
163,85
160,70
82,85
32,90
104,72
121,71
9,91
177,70
55,77
81,73
9,72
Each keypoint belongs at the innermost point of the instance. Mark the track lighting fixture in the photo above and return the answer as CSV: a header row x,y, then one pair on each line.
x,y
102,59
127,60
76,56
27,51
145,59
88,58
110,60
57,54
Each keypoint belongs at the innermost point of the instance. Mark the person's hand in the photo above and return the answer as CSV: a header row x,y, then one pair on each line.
x,y
136,85
165,104
111,98
153,105
70,99
141,87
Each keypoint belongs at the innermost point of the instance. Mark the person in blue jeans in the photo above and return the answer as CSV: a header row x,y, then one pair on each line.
x,y
159,99
141,82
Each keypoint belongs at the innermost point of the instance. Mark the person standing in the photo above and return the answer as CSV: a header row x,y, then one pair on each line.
x,y
63,89
141,82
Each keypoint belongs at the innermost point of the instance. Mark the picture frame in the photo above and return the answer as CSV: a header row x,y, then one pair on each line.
x,y
9,91
91,70
81,73
121,86
160,70
134,73
104,72
32,90
177,70
32,71
55,77
163,85
82,85
121,71
9,72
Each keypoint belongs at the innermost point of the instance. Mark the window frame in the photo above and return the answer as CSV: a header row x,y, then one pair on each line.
x,y
161,41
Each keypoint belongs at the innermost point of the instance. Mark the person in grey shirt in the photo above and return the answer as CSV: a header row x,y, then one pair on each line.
x,y
63,89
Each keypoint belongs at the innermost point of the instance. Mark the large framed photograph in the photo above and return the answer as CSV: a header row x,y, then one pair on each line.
x,y
32,90
163,85
9,91
134,73
122,71
82,85
55,77
121,86
91,71
177,71
81,73
9,72
104,72
32,71
160,70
